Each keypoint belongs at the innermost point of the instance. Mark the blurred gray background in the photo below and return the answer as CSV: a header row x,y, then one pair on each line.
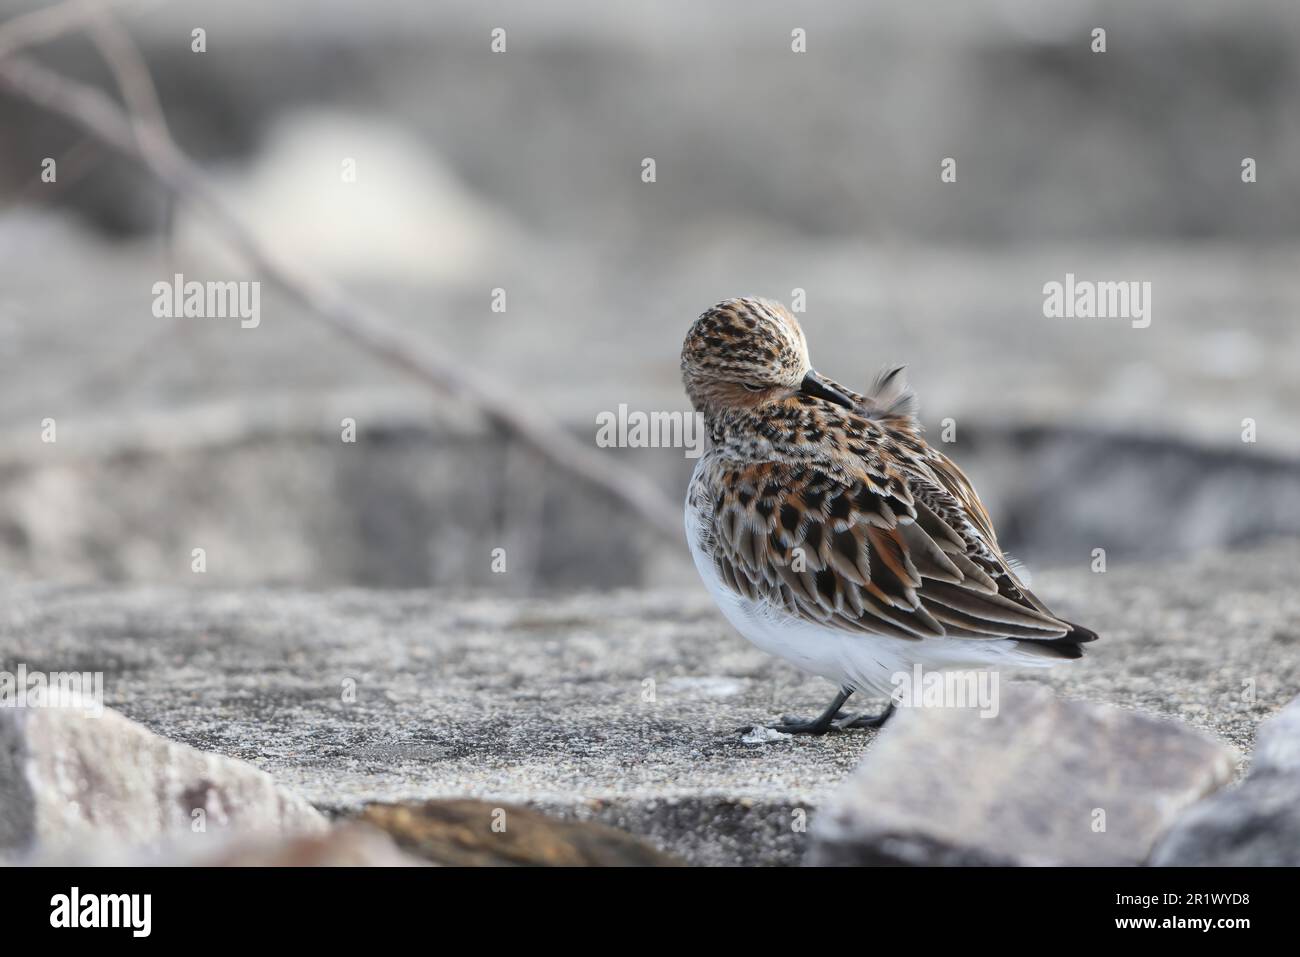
x,y
775,171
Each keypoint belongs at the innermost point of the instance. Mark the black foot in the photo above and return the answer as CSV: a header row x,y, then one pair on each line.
x,y
792,725
819,725
867,720
789,724
832,719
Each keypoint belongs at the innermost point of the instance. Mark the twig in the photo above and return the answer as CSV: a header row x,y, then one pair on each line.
x,y
144,142
123,58
49,23
135,83
130,71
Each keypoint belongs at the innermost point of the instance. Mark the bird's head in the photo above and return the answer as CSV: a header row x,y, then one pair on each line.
x,y
745,353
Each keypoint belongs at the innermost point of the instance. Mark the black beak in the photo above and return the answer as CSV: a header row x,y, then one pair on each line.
x,y
815,385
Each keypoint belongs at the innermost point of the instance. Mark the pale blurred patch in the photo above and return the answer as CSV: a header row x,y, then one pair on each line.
x,y
405,216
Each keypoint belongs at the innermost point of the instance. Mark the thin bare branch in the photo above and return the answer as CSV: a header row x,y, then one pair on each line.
x,y
92,111
50,23
130,71
135,83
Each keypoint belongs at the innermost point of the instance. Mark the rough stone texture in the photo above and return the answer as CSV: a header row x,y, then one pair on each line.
x,y
469,833
1255,824
542,702
1024,786
69,779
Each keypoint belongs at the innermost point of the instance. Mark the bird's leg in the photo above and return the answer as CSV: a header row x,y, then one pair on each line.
x,y
818,725
866,720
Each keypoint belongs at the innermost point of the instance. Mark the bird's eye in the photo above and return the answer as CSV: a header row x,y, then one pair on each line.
x,y
751,387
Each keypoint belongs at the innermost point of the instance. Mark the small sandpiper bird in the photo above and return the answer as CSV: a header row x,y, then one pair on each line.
x,y
832,535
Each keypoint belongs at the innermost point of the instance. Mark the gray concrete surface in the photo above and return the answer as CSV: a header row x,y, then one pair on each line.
x,y
544,701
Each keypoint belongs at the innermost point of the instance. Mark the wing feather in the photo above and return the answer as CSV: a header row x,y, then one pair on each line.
x,y
876,552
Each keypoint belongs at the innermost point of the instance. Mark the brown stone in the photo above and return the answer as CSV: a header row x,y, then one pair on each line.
x,y
469,833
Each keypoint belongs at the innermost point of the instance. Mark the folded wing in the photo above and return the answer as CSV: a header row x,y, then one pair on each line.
x,y
880,551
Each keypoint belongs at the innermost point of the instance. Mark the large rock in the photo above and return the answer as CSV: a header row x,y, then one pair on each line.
x,y
469,833
77,779
1256,824
1044,781
1278,747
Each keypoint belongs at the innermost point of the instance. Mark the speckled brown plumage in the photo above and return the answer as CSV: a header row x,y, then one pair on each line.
x,y
829,506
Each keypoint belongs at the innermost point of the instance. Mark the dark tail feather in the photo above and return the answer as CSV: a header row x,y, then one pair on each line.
x,y
1069,647
1055,648
1079,633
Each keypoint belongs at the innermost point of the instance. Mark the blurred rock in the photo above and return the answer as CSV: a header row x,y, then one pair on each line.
x,y
480,834
346,844
128,500
72,780
1254,825
402,507
1278,748
1044,782
350,844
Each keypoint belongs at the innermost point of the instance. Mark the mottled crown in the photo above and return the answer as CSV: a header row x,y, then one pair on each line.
x,y
742,352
